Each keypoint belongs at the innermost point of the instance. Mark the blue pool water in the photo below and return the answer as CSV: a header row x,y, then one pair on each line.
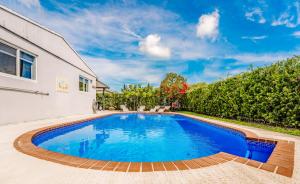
x,y
149,137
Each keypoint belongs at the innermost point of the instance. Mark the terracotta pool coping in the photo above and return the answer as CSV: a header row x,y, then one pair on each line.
x,y
280,162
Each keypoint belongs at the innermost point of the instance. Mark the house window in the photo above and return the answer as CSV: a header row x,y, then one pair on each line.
x,y
83,84
16,62
8,58
26,65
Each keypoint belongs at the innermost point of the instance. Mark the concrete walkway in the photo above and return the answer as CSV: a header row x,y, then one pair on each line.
x,y
16,167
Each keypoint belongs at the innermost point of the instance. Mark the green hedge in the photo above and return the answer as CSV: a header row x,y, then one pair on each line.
x,y
269,95
109,100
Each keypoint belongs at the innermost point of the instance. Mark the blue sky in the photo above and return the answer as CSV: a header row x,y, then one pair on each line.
x,y
140,41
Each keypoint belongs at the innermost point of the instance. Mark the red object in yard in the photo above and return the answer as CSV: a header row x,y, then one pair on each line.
x,y
184,88
182,91
174,104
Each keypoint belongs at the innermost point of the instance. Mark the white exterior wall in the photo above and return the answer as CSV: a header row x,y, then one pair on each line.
x,y
19,106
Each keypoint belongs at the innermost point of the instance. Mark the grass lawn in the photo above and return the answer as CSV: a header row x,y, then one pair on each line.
x,y
256,125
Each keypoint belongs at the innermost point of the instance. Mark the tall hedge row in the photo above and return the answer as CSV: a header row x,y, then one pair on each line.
x,y
269,95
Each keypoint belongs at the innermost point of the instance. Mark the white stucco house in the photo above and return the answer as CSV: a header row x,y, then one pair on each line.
x,y
41,76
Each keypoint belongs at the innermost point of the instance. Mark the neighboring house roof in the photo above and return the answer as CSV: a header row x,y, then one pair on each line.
x,y
42,37
100,90
101,85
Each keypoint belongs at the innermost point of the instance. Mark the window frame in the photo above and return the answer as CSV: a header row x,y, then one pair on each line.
x,y
85,82
33,65
18,63
4,52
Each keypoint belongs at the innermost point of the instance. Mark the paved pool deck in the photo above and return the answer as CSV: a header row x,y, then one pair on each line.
x,y
16,167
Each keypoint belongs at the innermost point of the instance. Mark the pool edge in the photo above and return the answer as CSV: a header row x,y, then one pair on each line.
x,y
281,161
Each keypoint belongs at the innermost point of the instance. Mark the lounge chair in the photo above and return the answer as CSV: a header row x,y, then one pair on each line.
x,y
152,110
141,108
155,108
124,108
167,108
164,109
161,110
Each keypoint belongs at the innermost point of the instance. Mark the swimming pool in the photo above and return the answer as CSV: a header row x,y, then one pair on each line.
x,y
149,138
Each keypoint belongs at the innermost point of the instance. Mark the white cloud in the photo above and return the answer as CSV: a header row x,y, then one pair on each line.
x,y
216,69
254,38
289,18
265,58
113,33
255,15
117,29
208,25
124,71
151,45
117,72
285,19
212,72
296,34
30,3
113,29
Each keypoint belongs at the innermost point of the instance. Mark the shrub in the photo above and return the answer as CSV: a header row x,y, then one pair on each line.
x,y
269,95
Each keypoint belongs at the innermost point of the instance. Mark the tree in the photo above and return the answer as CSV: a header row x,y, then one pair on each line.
x,y
136,95
197,86
173,88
